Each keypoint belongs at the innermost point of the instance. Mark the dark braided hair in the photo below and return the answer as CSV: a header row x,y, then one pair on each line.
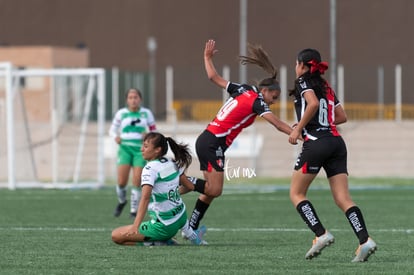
x,y
259,57
182,155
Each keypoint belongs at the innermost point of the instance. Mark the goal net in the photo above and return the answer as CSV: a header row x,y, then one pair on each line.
x,y
54,127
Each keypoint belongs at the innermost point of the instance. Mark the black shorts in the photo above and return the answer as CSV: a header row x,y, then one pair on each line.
x,y
210,151
328,153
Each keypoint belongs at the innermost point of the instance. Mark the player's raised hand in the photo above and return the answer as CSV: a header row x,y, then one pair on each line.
x,y
210,48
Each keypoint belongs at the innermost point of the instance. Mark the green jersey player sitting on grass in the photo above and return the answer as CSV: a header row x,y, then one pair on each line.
x,y
160,182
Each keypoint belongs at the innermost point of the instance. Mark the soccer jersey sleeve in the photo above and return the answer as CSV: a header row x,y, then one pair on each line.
x,y
148,175
260,107
151,121
116,124
233,88
302,86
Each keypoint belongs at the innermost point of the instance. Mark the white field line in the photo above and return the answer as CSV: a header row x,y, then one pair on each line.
x,y
73,229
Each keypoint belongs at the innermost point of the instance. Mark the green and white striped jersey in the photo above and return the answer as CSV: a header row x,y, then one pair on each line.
x,y
131,126
165,204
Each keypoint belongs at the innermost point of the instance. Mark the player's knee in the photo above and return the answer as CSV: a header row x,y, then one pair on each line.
x,y
116,238
215,193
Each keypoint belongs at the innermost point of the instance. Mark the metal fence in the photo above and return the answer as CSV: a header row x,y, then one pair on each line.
x,y
367,92
201,110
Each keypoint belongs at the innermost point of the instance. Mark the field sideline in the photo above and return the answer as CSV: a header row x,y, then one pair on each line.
x,y
252,229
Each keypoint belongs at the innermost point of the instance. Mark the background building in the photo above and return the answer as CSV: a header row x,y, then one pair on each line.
x,y
372,37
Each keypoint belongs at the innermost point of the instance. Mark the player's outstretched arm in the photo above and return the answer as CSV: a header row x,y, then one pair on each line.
x,y
185,185
209,51
279,124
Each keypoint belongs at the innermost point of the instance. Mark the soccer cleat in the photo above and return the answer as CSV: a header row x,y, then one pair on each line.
x,y
195,236
364,251
132,215
119,208
319,243
199,233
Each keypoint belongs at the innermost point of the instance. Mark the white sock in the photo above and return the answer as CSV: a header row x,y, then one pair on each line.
x,y
121,193
135,196
187,232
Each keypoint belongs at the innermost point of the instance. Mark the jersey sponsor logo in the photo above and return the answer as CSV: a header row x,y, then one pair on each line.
x,y
241,90
353,218
302,83
145,178
135,121
310,216
177,210
313,168
174,196
219,152
220,163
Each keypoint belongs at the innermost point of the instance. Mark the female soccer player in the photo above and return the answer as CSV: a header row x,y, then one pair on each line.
x,y
128,127
160,184
245,103
318,112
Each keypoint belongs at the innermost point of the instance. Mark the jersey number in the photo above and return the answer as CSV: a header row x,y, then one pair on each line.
x,y
226,109
324,112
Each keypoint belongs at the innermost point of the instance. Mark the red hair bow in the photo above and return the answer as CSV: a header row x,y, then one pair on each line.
x,y
315,66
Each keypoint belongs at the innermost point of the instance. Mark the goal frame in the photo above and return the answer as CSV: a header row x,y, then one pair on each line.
x,y
9,72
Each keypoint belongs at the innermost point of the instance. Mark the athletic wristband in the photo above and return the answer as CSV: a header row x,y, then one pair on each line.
x,y
199,184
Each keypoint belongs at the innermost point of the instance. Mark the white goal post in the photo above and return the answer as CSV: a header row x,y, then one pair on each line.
x,y
68,98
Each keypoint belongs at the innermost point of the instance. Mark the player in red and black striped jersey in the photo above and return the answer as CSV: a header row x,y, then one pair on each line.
x,y
245,103
318,112
239,111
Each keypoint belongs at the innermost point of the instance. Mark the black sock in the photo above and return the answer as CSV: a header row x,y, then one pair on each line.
x,y
355,218
198,213
308,214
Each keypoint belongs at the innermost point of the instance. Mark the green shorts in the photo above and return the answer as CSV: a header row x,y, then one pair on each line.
x,y
130,155
157,231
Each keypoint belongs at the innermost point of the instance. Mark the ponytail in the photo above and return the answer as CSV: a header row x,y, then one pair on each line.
x,y
181,152
259,57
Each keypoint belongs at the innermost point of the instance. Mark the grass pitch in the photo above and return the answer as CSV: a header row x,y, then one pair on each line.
x,y
252,229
